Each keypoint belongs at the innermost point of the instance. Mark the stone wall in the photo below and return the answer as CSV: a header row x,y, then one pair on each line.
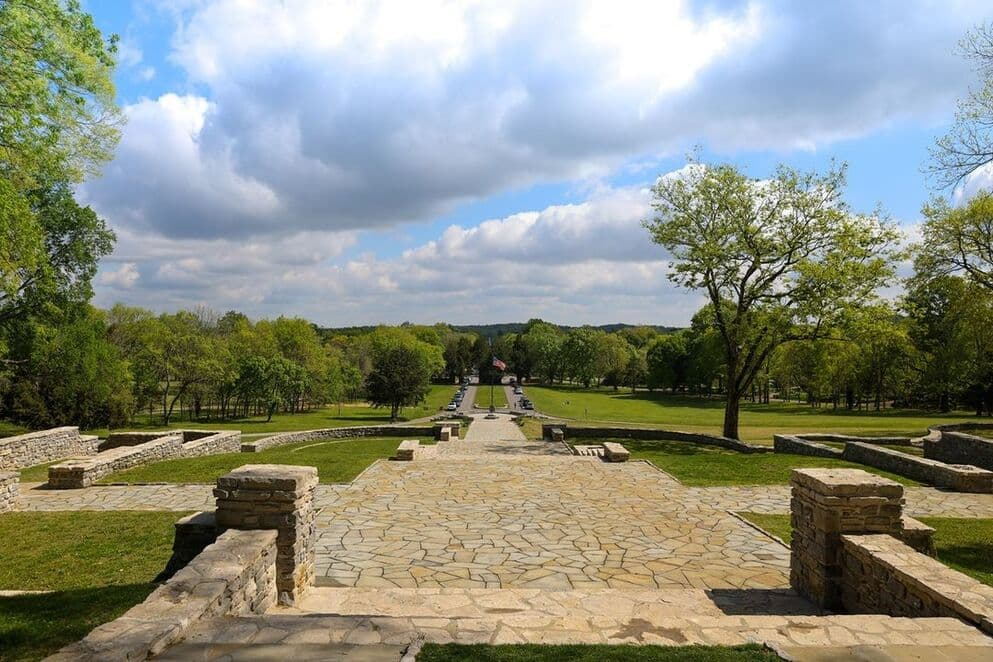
x,y
235,576
955,447
651,434
8,490
118,439
958,477
827,503
83,472
27,450
785,443
212,443
884,576
845,438
337,433
280,497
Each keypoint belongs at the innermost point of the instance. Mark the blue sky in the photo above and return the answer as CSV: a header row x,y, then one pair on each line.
x,y
480,162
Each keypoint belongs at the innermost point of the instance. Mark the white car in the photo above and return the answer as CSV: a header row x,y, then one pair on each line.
x,y
451,406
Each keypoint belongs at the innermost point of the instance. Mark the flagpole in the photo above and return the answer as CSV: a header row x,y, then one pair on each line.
x,y
492,375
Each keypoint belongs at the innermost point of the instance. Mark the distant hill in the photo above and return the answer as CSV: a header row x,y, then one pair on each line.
x,y
492,330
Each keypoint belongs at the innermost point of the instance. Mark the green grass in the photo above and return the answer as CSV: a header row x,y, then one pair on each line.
x,y
758,422
8,429
483,397
346,415
965,544
697,464
592,653
99,564
36,474
337,461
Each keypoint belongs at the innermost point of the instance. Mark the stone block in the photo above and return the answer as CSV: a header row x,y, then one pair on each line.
x,y
917,535
558,434
8,490
406,450
615,452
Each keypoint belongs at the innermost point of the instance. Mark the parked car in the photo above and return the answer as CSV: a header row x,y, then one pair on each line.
x,y
451,406
518,391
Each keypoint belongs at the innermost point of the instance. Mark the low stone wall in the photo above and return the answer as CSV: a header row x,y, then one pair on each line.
x,y
785,443
27,450
83,472
650,434
881,575
235,576
212,444
8,490
957,447
918,535
845,438
337,433
132,438
958,477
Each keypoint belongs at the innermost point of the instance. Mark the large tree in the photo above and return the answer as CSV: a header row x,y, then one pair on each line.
x,y
402,370
779,259
958,240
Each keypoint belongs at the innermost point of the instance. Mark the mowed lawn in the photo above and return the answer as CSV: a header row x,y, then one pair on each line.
x,y
965,544
701,465
483,396
98,565
758,422
347,415
337,461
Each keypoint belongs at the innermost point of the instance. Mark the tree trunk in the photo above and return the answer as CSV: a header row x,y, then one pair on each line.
x,y
731,410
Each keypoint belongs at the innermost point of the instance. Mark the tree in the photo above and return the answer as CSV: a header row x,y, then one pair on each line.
x,y
958,240
58,119
402,370
779,259
968,145
612,356
49,264
668,361
579,355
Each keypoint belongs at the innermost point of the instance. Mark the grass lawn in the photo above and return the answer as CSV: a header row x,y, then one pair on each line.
x,y
592,653
965,544
36,474
8,429
98,563
483,396
696,464
337,461
346,415
758,422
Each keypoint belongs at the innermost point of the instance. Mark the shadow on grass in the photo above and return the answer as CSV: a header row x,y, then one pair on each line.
x,y
973,559
35,625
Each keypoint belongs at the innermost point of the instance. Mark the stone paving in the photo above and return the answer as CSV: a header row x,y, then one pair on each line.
x,y
499,511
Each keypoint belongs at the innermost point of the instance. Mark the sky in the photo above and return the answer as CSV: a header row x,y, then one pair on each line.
x,y
478,162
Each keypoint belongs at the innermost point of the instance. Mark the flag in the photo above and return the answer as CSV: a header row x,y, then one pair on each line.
x,y
500,365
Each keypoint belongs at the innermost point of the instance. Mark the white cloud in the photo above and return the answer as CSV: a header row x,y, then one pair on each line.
x,y
125,276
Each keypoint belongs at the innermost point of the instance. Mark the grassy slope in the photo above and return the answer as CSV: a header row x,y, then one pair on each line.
x,y
696,464
758,422
337,461
592,653
99,563
963,544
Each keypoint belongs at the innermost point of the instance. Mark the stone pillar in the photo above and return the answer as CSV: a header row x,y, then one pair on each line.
x,y
280,497
827,503
8,489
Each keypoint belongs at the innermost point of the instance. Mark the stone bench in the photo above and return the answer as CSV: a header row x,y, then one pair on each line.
x,y
614,452
406,450
8,489
82,472
447,430
558,434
